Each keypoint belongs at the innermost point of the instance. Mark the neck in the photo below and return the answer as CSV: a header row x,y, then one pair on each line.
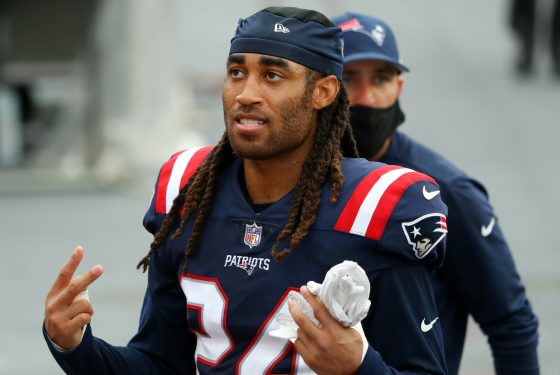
x,y
383,150
268,181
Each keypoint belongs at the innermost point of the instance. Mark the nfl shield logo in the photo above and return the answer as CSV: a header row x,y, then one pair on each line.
x,y
253,235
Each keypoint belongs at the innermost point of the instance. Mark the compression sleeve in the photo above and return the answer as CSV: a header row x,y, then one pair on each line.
x,y
402,328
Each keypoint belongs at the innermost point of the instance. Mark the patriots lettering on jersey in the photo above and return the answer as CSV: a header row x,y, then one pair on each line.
x,y
425,233
174,175
370,206
247,263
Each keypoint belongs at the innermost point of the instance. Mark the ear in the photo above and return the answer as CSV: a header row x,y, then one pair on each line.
x,y
325,91
400,83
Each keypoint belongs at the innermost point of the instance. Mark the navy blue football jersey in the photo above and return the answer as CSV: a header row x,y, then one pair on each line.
x,y
216,316
479,276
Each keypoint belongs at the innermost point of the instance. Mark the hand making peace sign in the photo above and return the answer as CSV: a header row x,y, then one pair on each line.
x,y
66,315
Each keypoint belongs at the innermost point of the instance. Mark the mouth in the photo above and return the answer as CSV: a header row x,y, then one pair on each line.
x,y
248,122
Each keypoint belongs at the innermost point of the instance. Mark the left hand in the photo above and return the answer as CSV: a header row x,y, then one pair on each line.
x,y
330,348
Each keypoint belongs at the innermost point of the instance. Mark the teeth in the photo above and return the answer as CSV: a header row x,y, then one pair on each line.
x,y
250,122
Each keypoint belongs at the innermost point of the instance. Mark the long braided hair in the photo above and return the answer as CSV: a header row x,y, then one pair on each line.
x,y
334,140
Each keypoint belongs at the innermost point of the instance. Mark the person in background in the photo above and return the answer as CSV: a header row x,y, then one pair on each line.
x,y
479,276
524,21
275,204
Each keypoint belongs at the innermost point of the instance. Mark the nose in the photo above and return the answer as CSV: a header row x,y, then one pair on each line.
x,y
250,93
362,94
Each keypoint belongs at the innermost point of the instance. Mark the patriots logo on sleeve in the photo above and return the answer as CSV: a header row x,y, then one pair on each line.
x,y
425,233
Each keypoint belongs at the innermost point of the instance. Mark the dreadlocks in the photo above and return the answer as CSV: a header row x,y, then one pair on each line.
x,y
334,140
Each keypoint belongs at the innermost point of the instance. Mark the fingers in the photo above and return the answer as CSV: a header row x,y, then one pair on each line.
x,y
319,309
64,323
79,307
80,283
80,320
67,333
314,287
308,332
300,345
302,321
304,324
65,289
67,271
329,348
80,314
66,311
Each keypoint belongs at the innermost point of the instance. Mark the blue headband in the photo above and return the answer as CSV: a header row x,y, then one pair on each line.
x,y
295,34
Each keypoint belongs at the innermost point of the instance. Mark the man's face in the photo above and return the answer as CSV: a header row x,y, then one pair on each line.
x,y
372,83
268,108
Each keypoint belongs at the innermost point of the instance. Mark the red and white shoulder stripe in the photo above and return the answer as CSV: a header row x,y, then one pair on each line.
x,y
370,206
175,173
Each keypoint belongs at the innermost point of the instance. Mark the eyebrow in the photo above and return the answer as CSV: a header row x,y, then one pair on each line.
x,y
384,70
263,61
387,70
236,59
274,61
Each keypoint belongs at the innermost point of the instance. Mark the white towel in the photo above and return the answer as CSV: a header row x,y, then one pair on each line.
x,y
345,292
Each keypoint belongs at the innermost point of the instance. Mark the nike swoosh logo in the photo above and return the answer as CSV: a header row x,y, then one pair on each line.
x,y
426,327
429,195
485,230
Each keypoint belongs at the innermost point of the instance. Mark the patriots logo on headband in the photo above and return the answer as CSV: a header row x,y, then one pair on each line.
x,y
425,233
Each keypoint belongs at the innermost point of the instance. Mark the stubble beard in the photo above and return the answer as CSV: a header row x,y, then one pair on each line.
x,y
296,116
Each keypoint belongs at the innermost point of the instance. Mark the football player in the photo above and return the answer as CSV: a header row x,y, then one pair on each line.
x,y
478,277
275,204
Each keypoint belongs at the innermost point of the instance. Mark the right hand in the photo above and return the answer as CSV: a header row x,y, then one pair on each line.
x,y
329,348
65,316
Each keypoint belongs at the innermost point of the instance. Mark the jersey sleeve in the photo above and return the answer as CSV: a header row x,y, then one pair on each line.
x,y
481,269
402,327
401,210
163,344
173,175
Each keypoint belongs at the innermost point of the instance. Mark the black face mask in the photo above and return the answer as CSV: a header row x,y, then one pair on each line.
x,y
372,126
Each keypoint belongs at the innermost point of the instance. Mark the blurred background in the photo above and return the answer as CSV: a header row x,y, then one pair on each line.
x,y
95,95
